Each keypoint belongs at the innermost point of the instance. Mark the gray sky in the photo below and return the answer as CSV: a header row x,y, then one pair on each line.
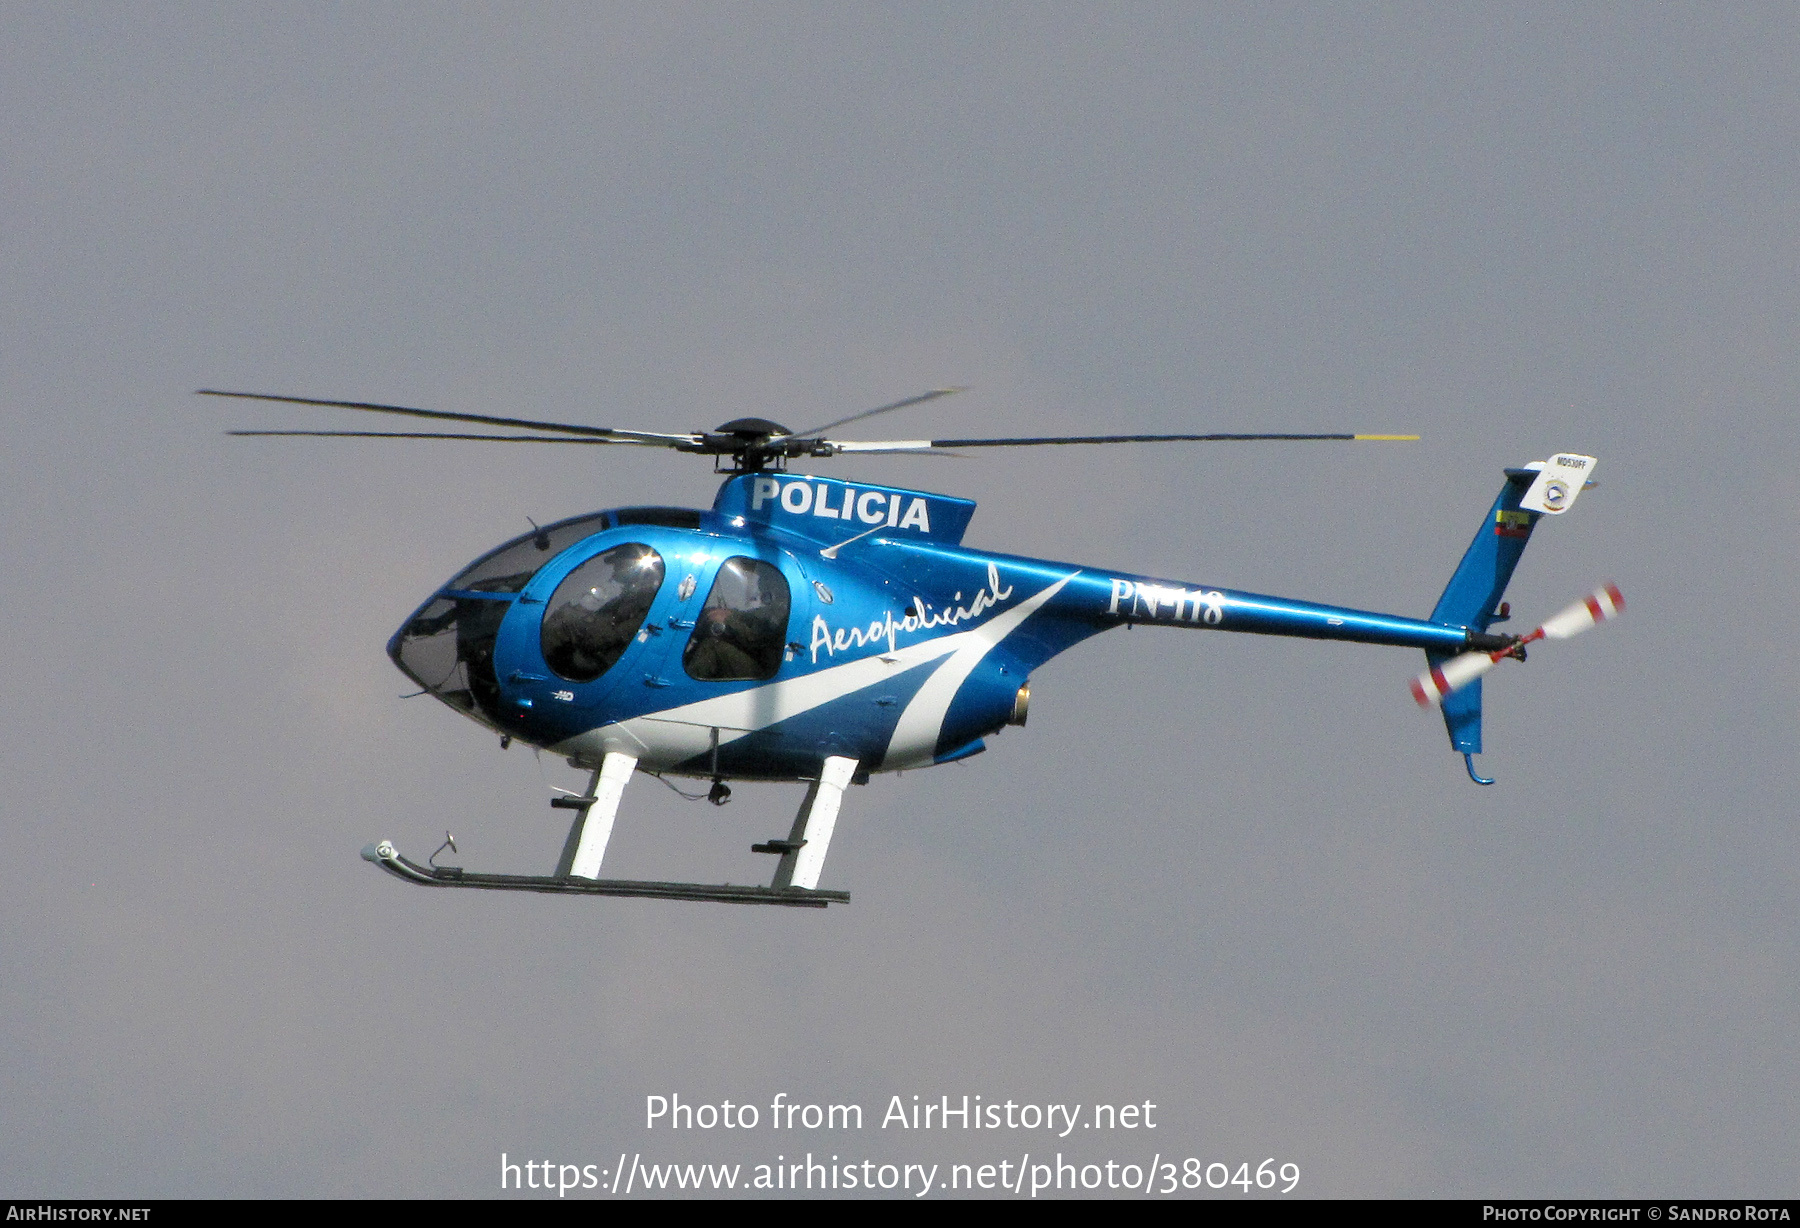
x,y
1242,878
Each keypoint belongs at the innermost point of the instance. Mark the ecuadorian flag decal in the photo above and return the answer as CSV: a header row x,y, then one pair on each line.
x,y
1512,524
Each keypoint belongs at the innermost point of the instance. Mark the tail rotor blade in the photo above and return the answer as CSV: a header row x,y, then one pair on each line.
x,y
1603,603
1430,687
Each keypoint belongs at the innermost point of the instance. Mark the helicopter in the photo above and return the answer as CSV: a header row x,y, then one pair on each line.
x,y
821,630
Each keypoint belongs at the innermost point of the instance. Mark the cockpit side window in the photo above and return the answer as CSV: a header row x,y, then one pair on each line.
x,y
742,629
510,568
591,618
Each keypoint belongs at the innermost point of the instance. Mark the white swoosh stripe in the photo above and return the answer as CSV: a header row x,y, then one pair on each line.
x,y
916,734
745,712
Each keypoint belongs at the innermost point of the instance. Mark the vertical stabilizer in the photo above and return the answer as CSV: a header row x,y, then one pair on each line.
x,y
1472,598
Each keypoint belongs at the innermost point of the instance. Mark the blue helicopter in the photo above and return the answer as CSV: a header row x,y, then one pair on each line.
x,y
818,630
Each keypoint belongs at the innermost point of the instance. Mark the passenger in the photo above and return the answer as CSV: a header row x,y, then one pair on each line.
x,y
717,651
740,634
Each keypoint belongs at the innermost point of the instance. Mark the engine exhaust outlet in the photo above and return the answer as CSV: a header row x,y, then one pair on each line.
x,y
1021,706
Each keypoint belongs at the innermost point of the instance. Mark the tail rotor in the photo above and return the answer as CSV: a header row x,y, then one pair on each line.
x,y
1432,687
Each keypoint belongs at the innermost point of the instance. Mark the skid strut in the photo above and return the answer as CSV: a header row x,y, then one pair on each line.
x,y
594,814
803,852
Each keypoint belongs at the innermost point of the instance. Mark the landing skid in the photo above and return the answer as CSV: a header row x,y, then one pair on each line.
x,y
404,868
578,870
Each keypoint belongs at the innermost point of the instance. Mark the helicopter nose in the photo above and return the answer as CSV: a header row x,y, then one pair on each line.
x,y
447,648
424,648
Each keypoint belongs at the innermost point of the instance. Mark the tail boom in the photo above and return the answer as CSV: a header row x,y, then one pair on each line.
x,y
1137,599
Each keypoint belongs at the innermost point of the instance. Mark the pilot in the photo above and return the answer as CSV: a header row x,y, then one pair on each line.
x,y
582,637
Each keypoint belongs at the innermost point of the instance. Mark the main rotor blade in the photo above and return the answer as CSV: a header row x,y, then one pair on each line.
x,y
893,447
1217,438
441,435
600,432
923,397
920,445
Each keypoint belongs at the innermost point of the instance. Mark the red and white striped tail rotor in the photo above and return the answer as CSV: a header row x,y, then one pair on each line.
x,y
1431,687
1592,610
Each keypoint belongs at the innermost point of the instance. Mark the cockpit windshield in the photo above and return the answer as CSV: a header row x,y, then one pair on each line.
x,y
448,648
510,568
